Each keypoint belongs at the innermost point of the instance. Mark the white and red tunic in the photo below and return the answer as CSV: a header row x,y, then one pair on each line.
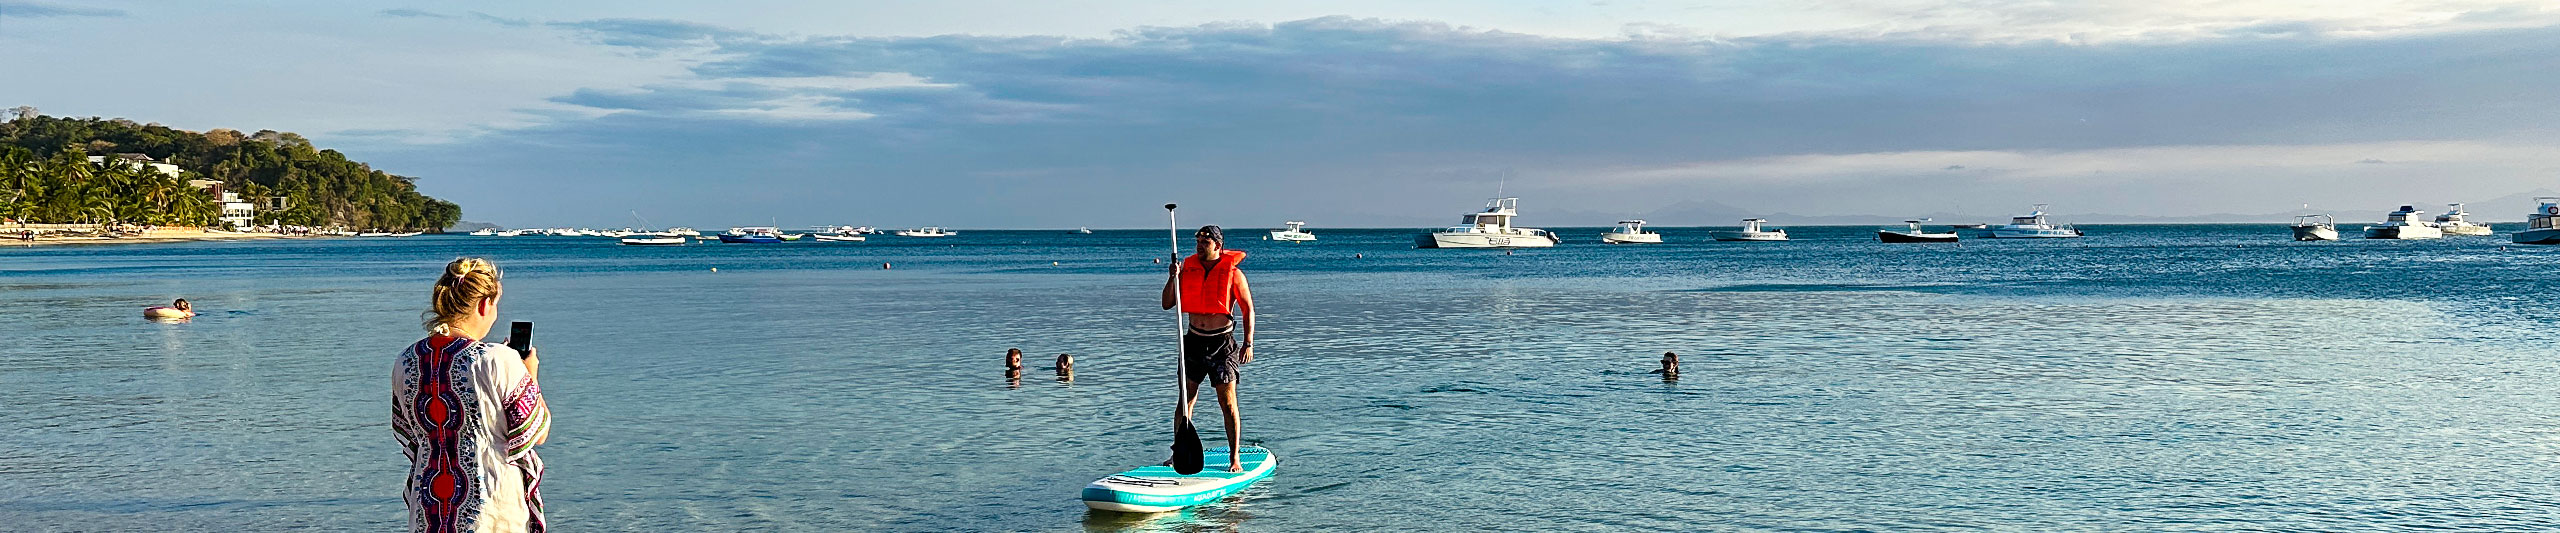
x,y
467,414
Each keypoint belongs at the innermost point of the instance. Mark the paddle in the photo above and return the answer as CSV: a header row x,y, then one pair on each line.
x,y
1187,458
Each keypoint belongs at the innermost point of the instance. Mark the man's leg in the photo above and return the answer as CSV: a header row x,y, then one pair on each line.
x,y
1235,434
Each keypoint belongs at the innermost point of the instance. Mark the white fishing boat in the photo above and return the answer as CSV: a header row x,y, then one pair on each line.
x,y
927,231
2033,226
1753,229
2543,226
1914,234
374,234
511,233
653,239
2455,221
1490,228
684,231
1630,232
1295,232
837,237
2315,228
1080,230
484,232
2407,223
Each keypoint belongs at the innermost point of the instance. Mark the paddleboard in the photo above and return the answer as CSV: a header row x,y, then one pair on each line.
x,y
1156,489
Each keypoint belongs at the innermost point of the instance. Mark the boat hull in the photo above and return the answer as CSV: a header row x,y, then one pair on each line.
x,y
1481,240
2465,229
2315,233
1631,238
1292,237
1898,236
1748,235
839,238
2402,232
2538,236
2008,233
749,239
653,241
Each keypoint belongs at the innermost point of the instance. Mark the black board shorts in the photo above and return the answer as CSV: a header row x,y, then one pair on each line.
x,y
1210,355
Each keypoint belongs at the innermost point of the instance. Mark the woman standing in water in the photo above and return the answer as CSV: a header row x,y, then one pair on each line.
x,y
468,414
1214,295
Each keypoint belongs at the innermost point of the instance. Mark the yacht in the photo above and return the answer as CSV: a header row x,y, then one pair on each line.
x,y
1914,234
1296,232
485,232
838,237
1081,230
2315,228
1490,228
752,235
2543,226
2453,222
684,231
2404,224
652,239
511,233
1630,232
1752,231
2033,226
927,231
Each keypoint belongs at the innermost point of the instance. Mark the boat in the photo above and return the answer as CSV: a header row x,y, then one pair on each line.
x,y
684,231
1295,232
837,237
484,232
752,235
2033,226
1490,228
2314,228
653,239
1082,231
374,234
2543,226
1630,232
1914,234
408,234
1158,488
793,236
2454,222
2404,224
1752,230
510,233
927,231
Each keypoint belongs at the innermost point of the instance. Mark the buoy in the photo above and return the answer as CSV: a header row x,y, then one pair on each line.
x,y
715,269
1356,256
1053,263
884,266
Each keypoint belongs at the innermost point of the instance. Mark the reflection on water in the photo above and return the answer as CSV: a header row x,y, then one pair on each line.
x,y
2132,381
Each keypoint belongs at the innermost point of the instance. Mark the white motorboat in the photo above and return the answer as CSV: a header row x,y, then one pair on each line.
x,y
1296,232
2543,226
684,231
1080,230
1753,229
2315,228
2407,223
485,232
927,231
837,237
1490,228
653,239
2454,221
374,234
1914,234
511,233
1630,232
2033,226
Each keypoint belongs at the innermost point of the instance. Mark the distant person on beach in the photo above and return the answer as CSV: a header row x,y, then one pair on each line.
x,y
1215,300
468,413
1670,366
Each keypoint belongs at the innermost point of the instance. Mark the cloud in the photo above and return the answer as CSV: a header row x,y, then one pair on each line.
x,y
653,34
412,13
35,10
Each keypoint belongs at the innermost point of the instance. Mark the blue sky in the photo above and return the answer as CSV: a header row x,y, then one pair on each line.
x,y
1064,114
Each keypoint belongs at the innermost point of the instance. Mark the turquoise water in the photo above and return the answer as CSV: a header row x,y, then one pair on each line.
x,y
2144,378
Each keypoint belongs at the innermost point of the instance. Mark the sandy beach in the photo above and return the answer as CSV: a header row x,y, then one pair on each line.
x,y
50,234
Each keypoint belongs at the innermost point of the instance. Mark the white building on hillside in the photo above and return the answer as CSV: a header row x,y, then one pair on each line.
x,y
235,212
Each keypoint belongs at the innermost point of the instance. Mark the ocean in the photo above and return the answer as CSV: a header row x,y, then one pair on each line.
x,y
2155,378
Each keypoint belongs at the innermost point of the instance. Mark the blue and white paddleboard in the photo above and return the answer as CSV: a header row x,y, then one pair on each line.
x,y
1155,489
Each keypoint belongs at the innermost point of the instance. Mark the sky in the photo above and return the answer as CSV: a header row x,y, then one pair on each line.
x,y
981,114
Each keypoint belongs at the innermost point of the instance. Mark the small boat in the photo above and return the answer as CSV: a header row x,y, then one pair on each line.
x,y
752,235
653,239
2404,224
374,234
408,234
684,231
1082,231
1913,234
793,236
1630,232
927,231
837,237
1751,231
2543,226
1295,232
2314,228
510,233
2455,222
1490,228
485,232
2033,226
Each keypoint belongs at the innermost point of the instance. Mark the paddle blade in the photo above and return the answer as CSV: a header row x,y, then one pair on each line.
x,y
1187,457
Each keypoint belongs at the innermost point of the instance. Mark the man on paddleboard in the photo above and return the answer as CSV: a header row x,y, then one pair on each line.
x,y
1216,303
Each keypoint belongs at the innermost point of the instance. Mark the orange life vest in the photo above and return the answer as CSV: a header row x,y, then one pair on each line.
x,y
1208,289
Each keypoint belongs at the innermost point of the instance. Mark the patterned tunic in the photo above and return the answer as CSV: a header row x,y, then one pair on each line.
x,y
467,414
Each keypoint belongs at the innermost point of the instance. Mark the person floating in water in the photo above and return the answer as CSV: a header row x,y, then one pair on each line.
x,y
1066,367
1013,363
1216,303
176,309
1670,370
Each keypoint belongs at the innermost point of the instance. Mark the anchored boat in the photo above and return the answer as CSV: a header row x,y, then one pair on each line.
x,y
2543,226
2455,221
752,235
2315,228
1295,232
2033,226
1913,234
1752,231
927,231
1490,228
1630,232
2407,223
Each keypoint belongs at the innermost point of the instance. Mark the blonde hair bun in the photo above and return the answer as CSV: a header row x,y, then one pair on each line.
x,y
466,282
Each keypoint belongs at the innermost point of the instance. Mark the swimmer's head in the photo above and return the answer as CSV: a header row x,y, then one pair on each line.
x,y
181,304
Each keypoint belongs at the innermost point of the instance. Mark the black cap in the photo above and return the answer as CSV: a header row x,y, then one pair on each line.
x,y
1212,232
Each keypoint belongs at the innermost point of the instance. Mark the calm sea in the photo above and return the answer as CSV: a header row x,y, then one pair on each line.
x,y
2143,378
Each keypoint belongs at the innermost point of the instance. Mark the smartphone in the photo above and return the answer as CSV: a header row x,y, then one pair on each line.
x,y
520,337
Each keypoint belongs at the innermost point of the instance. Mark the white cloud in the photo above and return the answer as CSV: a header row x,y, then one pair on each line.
x,y
2110,164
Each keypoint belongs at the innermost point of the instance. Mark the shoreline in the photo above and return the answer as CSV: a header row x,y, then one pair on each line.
x,y
10,236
